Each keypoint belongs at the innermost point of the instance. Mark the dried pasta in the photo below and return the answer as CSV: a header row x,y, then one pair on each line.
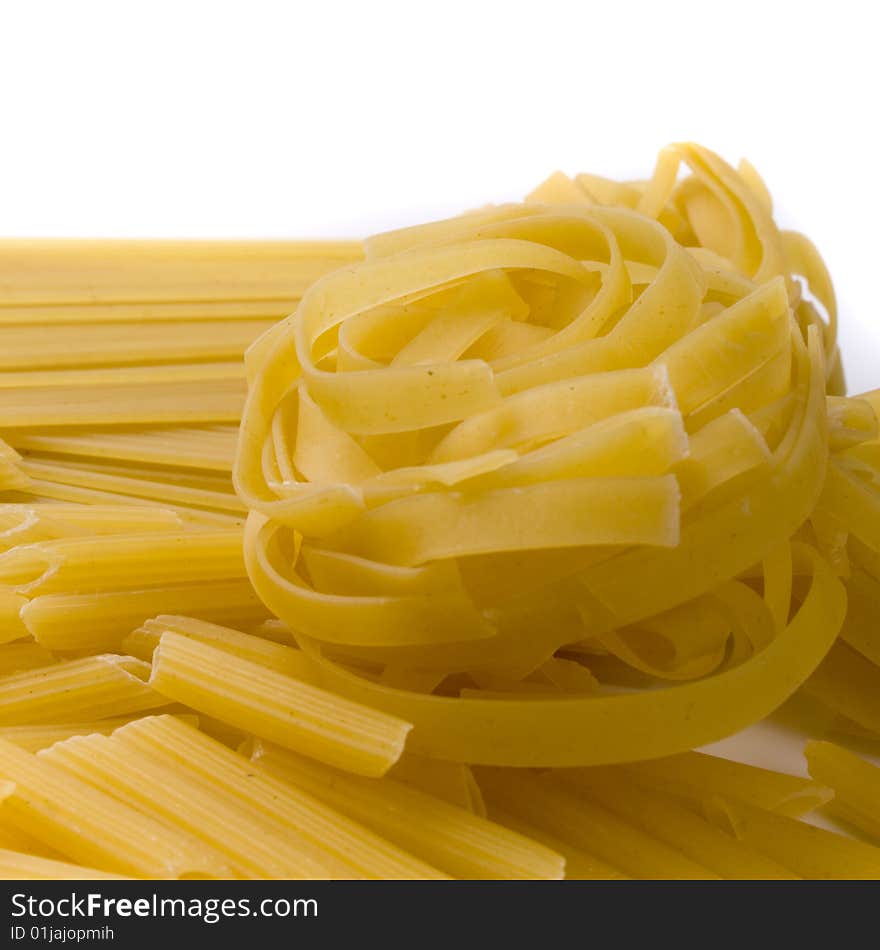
x,y
439,554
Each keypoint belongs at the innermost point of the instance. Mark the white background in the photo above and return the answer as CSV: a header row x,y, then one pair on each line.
x,y
326,118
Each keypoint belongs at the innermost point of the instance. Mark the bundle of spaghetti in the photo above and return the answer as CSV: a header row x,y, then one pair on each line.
x,y
90,273
209,448
589,428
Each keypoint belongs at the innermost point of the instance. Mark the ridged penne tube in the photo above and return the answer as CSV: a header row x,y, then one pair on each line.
x,y
540,801
70,622
579,865
95,829
811,852
208,447
252,848
51,492
856,784
122,561
694,777
34,738
275,656
26,523
276,707
186,402
450,838
663,818
76,690
17,866
191,752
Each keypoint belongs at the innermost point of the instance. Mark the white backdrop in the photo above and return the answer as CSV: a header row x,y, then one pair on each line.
x,y
326,118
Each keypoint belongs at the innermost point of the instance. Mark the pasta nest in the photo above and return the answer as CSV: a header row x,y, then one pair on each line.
x,y
516,465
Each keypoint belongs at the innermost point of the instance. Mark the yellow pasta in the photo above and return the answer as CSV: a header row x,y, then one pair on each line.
x,y
662,818
811,852
34,738
850,685
453,839
188,751
94,829
277,707
451,781
579,865
125,403
100,621
209,447
76,690
156,488
17,866
23,655
694,777
26,523
252,848
92,271
28,347
540,801
143,642
122,561
855,781
439,553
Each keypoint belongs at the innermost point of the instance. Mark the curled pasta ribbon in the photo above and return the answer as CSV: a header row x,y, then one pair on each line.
x,y
586,430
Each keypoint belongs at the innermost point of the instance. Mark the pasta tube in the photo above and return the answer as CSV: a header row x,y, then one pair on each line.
x,y
457,841
277,707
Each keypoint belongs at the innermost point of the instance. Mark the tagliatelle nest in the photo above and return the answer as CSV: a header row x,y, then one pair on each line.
x,y
519,456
